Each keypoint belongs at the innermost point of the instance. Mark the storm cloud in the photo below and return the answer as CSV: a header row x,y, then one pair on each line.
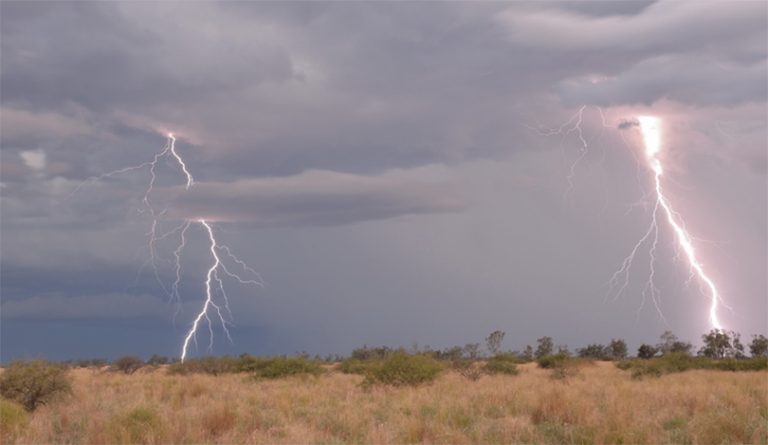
x,y
385,166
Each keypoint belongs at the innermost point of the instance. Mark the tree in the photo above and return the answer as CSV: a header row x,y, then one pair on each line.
x,y
594,351
670,343
759,346
528,352
721,344
34,383
545,347
493,342
646,351
472,350
617,349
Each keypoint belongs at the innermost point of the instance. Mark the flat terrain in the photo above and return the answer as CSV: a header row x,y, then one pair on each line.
x,y
600,404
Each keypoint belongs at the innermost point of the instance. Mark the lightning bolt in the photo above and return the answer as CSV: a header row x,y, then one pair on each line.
x,y
650,127
662,212
213,283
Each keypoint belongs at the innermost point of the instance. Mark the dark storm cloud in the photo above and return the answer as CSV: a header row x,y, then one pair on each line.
x,y
418,83
299,118
85,307
317,198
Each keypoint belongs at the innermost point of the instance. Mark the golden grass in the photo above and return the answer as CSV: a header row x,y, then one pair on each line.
x,y
600,404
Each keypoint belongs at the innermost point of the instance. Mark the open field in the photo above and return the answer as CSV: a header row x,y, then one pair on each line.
x,y
600,404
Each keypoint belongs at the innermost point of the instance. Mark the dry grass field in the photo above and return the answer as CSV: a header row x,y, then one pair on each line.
x,y
600,404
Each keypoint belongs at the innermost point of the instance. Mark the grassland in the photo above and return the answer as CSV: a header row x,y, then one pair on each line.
x,y
599,404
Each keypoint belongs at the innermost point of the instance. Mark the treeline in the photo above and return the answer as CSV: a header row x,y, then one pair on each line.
x,y
716,344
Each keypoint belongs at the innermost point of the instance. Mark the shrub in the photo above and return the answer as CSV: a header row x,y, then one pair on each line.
x,y
646,370
157,360
355,366
34,383
365,353
90,363
680,361
502,364
403,369
552,361
128,364
273,368
13,420
467,369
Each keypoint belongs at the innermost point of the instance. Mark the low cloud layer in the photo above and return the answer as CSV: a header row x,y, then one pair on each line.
x,y
317,198
60,307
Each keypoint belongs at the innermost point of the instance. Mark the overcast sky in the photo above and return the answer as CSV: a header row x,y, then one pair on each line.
x,y
393,171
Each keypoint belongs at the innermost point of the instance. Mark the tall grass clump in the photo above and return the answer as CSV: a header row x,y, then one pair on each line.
x,y
139,425
13,420
34,383
208,365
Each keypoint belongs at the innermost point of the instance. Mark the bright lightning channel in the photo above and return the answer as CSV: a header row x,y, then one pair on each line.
x,y
650,128
213,280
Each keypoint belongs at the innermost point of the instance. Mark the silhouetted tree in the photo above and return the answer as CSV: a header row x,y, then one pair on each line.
x,y
595,351
617,349
528,352
493,342
759,346
472,350
646,351
670,343
721,344
545,347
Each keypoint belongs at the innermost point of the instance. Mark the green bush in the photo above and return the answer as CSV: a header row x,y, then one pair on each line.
x,y
273,368
356,366
752,364
404,369
646,370
680,362
34,383
553,361
13,420
502,364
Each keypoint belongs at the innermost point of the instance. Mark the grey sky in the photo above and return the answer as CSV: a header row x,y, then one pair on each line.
x,y
382,166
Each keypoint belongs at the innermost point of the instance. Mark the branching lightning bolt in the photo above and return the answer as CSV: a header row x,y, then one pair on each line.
x,y
213,281
662,211
651,132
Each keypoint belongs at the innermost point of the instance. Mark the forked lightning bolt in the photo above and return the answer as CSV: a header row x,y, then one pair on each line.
x,y
662,211
213,281
651,131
